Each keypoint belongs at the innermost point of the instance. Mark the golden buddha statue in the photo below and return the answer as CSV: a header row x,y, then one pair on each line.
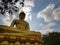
x,y
21,24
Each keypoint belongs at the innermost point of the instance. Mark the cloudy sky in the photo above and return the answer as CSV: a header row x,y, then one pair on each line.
x,y
42,15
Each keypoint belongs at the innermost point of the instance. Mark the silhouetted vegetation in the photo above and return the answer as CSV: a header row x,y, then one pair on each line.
x,y
51,39
9,6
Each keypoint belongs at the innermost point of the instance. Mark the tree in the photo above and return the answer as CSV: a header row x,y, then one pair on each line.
x,y
51,39
9,6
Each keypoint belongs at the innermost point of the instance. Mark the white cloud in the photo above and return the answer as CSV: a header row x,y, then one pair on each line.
x,y
44,31
50,13
49,25
56,14
29,3
47,28
28,16
6,20
26,9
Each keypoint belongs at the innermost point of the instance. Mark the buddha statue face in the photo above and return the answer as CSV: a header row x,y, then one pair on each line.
x,y
22,16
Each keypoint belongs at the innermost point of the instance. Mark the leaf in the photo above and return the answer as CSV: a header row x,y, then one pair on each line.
x,y
16,0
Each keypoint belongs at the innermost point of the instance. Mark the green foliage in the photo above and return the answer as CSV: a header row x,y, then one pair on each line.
x,y
51,39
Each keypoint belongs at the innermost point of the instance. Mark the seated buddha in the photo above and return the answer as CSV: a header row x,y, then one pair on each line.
x,y
20,23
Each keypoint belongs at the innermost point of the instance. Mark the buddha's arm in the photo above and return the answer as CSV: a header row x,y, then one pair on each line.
x,y
13,23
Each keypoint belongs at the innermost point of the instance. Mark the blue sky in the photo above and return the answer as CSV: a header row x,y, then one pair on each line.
x,y
45,16
42,15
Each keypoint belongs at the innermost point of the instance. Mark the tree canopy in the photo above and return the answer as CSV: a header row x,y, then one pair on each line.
x,y
51,39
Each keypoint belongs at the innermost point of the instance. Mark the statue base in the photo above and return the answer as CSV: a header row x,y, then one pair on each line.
x,y
12,36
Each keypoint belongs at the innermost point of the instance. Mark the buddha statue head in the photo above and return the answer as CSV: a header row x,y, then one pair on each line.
x,y
22,16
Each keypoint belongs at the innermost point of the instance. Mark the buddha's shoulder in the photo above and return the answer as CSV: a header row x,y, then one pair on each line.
x,y
15,20
26,22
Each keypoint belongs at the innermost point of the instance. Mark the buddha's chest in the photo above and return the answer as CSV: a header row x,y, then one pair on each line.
x,y
20,23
